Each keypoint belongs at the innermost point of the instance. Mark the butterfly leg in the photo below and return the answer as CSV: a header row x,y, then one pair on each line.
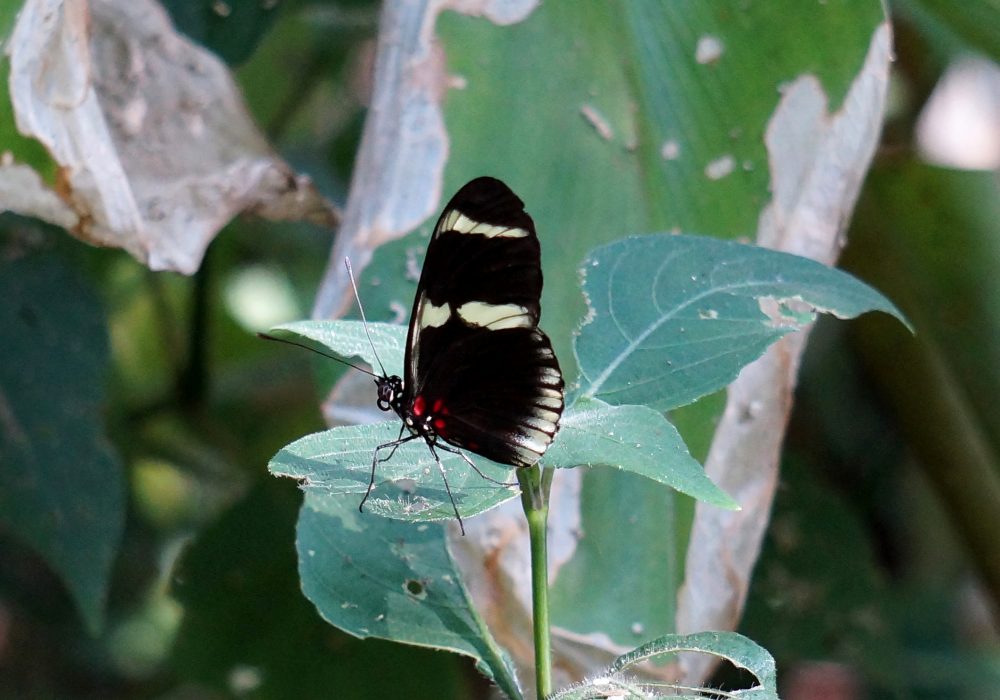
x,y
447,488
394,444
473,465
375,460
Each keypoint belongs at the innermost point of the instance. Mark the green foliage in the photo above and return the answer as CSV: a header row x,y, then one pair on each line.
x,y
714,290
587,593
702,322
61,485
677,317
634,69
635,439
335,464
240,588
605,121
350,339
380,578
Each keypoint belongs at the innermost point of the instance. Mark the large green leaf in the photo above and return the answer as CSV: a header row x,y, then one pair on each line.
x,y
61,486
635,68
677,317
608,560
381,578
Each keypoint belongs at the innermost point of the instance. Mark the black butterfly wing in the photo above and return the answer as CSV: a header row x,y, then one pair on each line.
x,y
475,358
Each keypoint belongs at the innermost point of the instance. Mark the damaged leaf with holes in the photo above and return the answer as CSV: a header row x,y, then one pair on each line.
x,y
375,577
674,317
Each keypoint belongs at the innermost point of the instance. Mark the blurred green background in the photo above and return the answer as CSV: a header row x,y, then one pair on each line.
x,y
881,570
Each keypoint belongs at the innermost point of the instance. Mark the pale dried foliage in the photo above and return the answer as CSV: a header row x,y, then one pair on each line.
x,y
154,148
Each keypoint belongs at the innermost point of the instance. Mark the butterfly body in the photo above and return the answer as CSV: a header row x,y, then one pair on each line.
x,y
479,374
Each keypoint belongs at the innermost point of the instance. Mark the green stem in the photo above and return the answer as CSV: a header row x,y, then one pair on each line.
x,y
535,485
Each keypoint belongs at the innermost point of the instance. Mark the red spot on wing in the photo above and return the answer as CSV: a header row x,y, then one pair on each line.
x,y
439,423
418,406
437,405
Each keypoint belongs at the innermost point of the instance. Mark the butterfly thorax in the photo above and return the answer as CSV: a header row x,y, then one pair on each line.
x,y
420,416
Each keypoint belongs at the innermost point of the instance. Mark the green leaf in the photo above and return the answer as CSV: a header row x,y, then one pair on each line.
x,y
386,579
740,651
727,645
61,486
635,439
336,463
674,318
348,339
634,68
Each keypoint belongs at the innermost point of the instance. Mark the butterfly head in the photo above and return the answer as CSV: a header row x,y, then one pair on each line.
x,y
390,392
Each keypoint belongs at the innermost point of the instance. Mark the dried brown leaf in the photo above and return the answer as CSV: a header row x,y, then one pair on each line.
x,y
156,149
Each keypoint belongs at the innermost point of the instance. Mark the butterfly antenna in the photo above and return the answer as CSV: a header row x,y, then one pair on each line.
x,y
286,341
364,321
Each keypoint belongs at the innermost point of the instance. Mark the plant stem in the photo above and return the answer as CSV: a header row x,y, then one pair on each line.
x,y
535,485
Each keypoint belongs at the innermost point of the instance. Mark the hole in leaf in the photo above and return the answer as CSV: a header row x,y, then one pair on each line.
x,y
415,588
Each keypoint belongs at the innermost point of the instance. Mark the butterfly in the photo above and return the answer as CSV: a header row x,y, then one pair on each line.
x,y
479,374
